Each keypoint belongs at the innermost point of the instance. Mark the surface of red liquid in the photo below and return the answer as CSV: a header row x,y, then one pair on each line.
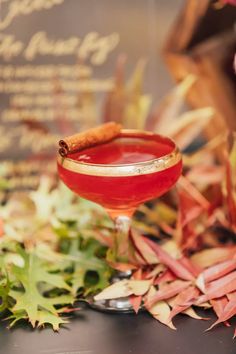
x,y
123,192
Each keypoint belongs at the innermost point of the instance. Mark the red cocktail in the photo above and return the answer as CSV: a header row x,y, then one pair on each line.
x,y
121,174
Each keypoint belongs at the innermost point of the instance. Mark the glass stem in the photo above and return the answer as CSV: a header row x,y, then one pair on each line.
x,y
122,243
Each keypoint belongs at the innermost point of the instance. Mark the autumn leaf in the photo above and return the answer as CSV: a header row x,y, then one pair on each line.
x,y
85,261
212,256
219,270
124,288
219,287
176,267
183,300
144,249
164,277
228,312
167,291
160,310
30,299
219,305
4,294
136,300
45,317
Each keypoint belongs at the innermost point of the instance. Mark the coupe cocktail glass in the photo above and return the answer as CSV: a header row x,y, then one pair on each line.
x,y
135,167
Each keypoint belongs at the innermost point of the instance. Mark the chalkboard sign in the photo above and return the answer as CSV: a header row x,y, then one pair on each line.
x,y
57,59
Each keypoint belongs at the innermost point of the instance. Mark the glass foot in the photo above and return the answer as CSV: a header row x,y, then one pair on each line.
x,y
121,305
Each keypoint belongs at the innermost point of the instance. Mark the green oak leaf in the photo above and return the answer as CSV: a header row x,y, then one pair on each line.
x,y
86,261
32,299
4,294
45,317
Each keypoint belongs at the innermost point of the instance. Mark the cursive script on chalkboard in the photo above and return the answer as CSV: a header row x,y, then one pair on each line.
x,y
15,8
93,46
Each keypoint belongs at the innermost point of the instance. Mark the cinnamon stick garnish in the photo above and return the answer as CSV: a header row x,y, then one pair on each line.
x,y
89,138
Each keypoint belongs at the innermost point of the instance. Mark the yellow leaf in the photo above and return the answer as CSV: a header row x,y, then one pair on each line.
x,y
200,283
172,249
191,313
124,288
139,287
160,310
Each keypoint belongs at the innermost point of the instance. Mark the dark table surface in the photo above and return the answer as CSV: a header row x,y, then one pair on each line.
x,y
91,332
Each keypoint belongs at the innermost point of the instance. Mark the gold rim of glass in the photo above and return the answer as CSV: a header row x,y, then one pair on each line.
x,y
120,170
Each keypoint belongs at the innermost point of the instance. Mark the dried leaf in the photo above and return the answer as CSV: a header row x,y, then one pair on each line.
x,y
176,267
124,288
167,292
212,256
184,300
230,192
193,192
191,313
219,305
136,300
189,126
156,271
219,270
219,288
166,276
231,296
204,175
144,249
228,312
160,310
166,112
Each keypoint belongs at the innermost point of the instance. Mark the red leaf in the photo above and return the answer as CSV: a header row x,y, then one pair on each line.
x,y
165,277
183,300
219,288
231,2
232,296
219,305
144,249
136,300
209,257
193,192
168,291
205,174
219,270
175,266
231,202
228,312
186,262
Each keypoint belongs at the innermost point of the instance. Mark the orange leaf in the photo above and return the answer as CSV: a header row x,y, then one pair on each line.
x,y
124,288
209,257
174,265
160,310
184,300
219,305
228,312
136,300
218,270
168,291
144,249
165,277
219,288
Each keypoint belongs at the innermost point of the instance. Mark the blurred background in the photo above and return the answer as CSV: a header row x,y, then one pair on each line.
x,y
68,65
